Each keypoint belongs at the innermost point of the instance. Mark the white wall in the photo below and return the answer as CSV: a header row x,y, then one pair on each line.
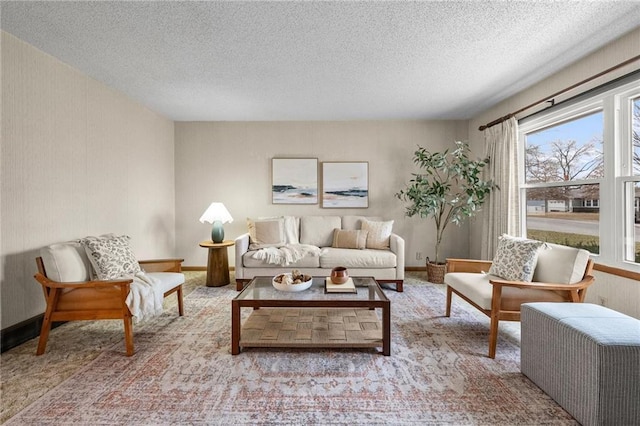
x,y
230,162
621,294
78,158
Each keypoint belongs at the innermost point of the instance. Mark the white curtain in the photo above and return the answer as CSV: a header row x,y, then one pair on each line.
x,y
502,209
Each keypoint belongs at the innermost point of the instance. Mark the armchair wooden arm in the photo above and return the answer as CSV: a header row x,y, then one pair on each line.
x,y
468,265
581,285
81,284
161,265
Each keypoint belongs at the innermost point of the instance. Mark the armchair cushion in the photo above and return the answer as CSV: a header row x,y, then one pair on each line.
x,y
477,288
516,258
561,264
66,262
111,256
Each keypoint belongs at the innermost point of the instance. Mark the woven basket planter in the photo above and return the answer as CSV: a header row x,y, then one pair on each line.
x,y
435,272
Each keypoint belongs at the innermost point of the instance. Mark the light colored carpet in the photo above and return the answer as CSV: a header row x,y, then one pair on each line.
x,y
183,372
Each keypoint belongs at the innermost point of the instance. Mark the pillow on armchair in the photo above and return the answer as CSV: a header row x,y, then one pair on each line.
x,y
515,258
111,256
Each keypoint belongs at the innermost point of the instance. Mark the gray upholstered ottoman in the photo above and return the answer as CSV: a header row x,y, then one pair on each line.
x,y
586,357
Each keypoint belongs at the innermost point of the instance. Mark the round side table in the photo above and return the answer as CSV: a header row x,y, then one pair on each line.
x,y
217,263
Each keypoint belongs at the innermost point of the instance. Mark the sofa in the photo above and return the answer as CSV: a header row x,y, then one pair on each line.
x,y
315,245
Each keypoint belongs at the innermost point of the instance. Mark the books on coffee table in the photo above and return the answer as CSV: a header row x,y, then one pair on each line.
x,y
348,287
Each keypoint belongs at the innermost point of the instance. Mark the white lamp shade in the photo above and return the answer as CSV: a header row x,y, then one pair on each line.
x,y
216,212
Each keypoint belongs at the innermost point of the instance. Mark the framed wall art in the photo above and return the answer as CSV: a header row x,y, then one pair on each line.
x,y
294,180
345,184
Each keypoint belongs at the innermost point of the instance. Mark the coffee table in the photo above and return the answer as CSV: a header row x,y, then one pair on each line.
x,y
311,318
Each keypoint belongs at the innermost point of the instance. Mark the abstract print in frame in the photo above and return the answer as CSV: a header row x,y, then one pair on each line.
x,y
345,184
294,180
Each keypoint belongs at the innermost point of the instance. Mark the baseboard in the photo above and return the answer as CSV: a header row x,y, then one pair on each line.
x,y
202,268
22,332
415,268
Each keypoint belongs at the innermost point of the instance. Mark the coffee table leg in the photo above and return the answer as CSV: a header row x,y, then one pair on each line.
x,y
235,328
386,329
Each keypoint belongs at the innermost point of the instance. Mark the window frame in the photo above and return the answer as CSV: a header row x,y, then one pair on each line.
x,y
616,105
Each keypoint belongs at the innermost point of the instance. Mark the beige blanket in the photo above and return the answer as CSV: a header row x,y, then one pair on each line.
x,y
145,297
287,254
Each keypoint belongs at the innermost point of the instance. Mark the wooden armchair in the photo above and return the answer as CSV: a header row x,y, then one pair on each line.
x,y
562,274
85,299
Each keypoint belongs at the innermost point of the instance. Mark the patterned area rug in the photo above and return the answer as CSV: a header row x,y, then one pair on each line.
x,y
183,372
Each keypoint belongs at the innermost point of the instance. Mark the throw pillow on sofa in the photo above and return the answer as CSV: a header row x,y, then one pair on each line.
x,y
515,258
111,256
349,239
266,233
378,233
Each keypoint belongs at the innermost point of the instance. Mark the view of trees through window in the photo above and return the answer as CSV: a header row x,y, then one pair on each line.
x,y
563,166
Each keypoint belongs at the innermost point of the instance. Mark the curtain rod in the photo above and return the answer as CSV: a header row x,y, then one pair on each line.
x,y
550,98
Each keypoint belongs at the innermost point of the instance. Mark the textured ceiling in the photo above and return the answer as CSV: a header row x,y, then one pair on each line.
x,y
319,60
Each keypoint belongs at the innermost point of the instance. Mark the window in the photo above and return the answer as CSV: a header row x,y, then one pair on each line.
x,y
631,201
563,166
580,175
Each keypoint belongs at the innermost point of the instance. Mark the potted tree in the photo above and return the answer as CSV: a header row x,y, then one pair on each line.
x,y
448,188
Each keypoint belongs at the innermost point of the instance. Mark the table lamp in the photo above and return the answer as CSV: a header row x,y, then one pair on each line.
x,y
217,214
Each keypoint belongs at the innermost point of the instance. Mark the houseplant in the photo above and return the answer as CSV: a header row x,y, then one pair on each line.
x,y
449,188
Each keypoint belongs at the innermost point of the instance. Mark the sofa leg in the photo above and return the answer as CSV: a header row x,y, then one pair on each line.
x,y
240,284
400,286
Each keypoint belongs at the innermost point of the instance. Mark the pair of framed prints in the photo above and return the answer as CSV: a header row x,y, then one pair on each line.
x,y
345,184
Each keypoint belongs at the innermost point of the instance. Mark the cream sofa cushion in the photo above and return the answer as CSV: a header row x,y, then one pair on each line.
x,y
378,233
266,233
561,264
318,230
66,262
355,222
350,258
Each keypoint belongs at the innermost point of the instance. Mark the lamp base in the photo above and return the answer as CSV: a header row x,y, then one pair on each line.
x,y
217,232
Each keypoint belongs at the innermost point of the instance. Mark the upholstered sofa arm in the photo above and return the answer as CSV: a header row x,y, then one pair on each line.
x,y
468,265
161,265
396,245
242,244
241,247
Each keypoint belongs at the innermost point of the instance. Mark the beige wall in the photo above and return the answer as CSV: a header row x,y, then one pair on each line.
x,y
78,158
621,294
231,162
